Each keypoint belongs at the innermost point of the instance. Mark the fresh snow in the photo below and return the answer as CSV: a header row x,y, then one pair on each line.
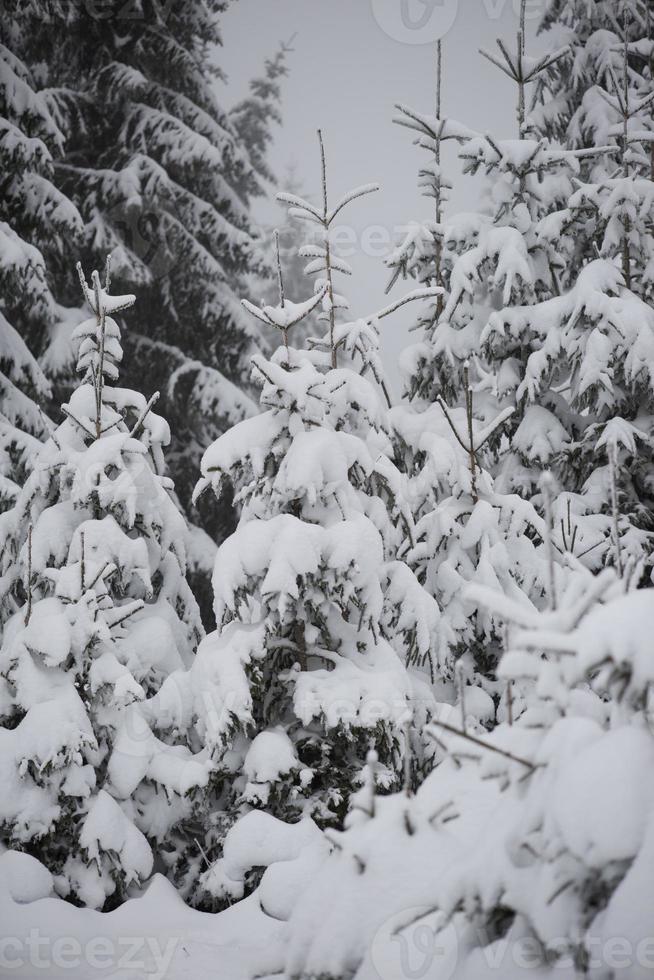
x,y
409,732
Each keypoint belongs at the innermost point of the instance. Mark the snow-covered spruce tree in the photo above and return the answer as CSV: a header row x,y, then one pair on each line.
x,y
570,356
466,528
318,616
429,248
610,104
590,364
570,100
252,117
163,179
94,562
492,260
589,385
291,238
555,873
488,262
38,224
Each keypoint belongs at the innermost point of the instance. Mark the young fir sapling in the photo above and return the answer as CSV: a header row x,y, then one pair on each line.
x,y
93,565
466,528
318,616
587,352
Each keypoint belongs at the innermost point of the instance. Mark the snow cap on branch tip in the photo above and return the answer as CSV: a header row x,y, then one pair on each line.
x,y
287,316
108,303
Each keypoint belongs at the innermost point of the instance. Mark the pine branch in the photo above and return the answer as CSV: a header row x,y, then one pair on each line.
x,y
484,745
73,418
256,312
132,611
297,202
417,294
138,425
352,196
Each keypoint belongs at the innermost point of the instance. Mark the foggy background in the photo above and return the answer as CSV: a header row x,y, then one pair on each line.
x,y
345,74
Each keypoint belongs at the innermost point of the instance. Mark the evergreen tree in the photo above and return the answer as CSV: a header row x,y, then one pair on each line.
x,y
252,116
592,345
291,239
317,614
163,176
556,869
564,341
466,528
486,262
467,531
38,224
570,100
599,95
93,563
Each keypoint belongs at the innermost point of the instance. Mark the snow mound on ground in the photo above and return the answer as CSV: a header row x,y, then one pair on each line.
x,y
24,879
154,936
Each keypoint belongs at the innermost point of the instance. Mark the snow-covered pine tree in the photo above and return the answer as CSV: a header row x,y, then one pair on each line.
x,y
466,528
609,103
491,261
569,353
427,253
587,352
318,615
555,874
570,100
163,179
291,237
94,566
38,224
486,261
252,117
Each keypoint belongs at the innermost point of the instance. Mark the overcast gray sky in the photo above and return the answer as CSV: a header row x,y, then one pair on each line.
x,y
352,60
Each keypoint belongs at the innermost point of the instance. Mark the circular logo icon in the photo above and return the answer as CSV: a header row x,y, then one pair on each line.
x,y
415,944
415,21
153,232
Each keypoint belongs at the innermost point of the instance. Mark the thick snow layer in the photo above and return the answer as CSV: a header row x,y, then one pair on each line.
x,y
155,936
259,840
107,829
540,435
270,755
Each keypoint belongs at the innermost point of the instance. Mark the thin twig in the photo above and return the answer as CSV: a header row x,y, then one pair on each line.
x,y
471,435
74,419
28,614
142,417
130,612
280,285
82,562
546,486
612,454
328,262
481,743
